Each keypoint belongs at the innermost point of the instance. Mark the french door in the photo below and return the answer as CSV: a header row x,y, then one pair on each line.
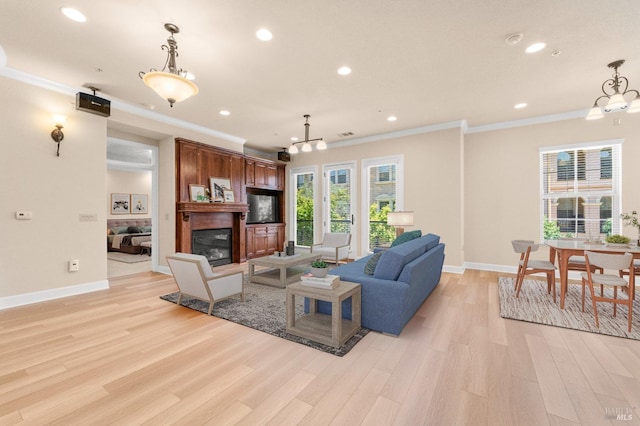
x,y
340,200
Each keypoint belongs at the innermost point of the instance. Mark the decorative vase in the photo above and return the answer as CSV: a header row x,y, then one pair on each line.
x,y
319,272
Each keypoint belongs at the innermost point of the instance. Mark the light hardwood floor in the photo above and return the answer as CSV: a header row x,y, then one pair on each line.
x,y
124,356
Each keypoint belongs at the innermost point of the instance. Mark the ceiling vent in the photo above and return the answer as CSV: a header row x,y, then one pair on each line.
x,y
345,134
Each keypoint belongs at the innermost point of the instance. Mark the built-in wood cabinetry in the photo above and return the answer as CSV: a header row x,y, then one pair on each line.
x,y
264,239
196,163
263,174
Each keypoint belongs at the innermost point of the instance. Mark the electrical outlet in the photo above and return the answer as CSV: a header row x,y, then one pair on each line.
x,y
74,265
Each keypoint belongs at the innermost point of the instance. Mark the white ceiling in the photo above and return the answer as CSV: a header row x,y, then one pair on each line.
x,y
425,61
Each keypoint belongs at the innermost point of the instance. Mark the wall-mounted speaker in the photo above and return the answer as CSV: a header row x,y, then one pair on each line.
x,y
284,156
93,104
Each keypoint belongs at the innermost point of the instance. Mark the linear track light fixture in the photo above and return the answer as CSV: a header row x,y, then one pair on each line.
x,y
306,143
172,85
614,90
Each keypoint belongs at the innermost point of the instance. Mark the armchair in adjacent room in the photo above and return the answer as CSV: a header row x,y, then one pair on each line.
x,y
334,247
195,278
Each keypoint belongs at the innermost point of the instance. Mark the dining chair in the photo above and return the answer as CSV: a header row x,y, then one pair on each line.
x,y
636,267
609,262
528,266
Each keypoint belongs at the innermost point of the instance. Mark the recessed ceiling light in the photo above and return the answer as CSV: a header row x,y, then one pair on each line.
x,y
513,39
520,105
556,53
294,139
392,118
224,112
535,47
73,14
264,34
344,70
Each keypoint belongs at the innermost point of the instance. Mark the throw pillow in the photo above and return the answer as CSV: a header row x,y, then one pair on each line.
x,y
406,237
133,230
120,229
370,267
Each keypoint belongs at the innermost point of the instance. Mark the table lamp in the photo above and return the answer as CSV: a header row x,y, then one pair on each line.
x,y
400,220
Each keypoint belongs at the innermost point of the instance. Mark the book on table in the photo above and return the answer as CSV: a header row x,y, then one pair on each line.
x,y
329,282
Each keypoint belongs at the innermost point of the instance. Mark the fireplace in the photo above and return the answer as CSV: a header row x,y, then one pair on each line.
x,y
214,244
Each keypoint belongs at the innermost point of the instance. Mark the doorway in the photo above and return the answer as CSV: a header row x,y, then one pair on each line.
x,y
340,200
132,169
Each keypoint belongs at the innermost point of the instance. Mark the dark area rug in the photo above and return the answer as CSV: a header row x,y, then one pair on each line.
x,y
264,309
535,305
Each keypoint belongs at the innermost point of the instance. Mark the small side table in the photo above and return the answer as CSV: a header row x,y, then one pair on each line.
x,y
332,329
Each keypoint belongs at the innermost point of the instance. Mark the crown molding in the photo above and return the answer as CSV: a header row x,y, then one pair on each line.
x,y
571,115
117,104
462,124
161,118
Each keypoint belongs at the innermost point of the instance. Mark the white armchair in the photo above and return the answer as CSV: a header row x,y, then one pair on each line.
x,y
334,247
195,278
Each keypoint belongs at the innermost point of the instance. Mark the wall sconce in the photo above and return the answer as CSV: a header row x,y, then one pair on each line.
x,y
56,133
400,220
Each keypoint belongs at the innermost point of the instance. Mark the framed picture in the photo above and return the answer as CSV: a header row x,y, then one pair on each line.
x,y
139,204
218,186
228,196
197,193
120,203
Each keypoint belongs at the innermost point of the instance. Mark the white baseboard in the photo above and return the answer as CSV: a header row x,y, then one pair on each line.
x,y
51,294
164,270
453,269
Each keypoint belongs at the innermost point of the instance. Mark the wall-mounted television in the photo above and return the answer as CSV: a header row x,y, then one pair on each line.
x,y
263,208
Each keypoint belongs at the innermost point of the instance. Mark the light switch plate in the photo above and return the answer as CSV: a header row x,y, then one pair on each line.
x,y
88,217
24,215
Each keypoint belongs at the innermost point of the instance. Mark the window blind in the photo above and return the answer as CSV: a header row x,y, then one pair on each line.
x,y
580,191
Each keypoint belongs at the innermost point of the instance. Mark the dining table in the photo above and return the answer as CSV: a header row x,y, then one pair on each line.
x,y
564,249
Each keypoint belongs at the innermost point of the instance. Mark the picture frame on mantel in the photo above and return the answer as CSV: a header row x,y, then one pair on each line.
x,y
120,203
139,204
218,186
229,197
197,193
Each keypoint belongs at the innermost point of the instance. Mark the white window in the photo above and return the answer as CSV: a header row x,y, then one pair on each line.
x,y
303,194
580,187
382,193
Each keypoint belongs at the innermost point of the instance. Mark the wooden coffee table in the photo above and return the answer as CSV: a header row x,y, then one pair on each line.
x,y
281,270
332,329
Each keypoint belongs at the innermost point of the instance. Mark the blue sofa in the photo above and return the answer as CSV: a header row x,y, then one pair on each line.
x,y
403,278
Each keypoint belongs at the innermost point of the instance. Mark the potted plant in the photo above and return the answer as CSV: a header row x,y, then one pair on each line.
x,y
319,268
617,240
632,219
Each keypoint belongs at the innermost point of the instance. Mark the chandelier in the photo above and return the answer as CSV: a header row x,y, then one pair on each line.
x,y
172,85
614,90
306,143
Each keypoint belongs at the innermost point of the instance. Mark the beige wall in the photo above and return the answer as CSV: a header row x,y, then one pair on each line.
x,y
128,182
433,179
35,253
476,190
502,171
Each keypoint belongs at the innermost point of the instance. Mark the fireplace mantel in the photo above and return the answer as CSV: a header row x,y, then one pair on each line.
x,y
198,216
187,208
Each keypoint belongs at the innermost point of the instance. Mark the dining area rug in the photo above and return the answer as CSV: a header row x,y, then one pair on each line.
x,y
535,305
263,309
